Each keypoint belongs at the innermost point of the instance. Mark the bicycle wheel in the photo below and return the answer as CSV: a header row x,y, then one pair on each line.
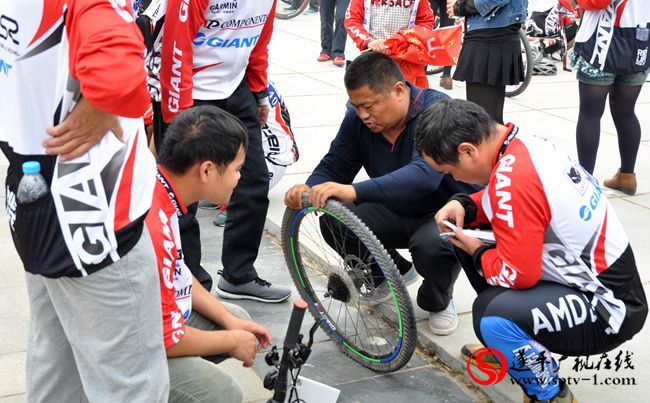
x,y
432,70
527,56
288,9
380,336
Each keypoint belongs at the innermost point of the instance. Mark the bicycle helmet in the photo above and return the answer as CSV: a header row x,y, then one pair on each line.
x,y
545,67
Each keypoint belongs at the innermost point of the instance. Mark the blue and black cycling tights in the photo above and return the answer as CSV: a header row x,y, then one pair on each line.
x,y
527,325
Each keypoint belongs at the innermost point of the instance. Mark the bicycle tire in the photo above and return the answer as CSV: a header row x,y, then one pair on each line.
x,y
537,56
282,13
512,90
433,70
296,253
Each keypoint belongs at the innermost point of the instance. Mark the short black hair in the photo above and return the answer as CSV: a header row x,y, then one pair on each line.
x,y
201,133
376,70
446,124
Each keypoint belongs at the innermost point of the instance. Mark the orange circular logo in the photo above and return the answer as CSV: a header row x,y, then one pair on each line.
x,y
490,374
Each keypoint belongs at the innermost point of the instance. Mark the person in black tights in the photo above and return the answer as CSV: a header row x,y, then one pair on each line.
x,y
439,8
490,57
595,83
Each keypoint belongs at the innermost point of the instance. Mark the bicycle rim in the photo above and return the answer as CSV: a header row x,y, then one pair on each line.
x,y
527,58
380,336
285,11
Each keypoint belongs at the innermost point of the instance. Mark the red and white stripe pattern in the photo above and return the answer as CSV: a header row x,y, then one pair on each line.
x,y
551,221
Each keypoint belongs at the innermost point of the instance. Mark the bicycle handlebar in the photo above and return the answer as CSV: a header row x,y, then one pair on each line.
x,y
295,322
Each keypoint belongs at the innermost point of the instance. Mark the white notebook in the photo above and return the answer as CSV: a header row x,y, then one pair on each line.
x,y
483,235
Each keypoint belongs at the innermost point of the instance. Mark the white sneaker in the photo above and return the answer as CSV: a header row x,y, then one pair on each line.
x,y
445,322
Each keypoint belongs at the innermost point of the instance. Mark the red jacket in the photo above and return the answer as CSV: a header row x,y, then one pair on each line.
x,y
355,15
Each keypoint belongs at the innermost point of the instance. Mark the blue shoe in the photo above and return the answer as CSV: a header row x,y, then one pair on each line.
x,y
311,11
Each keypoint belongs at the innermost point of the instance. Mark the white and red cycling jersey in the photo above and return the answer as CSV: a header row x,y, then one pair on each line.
x,y
278,142
151,21
210,46
551,221
51,53
175,276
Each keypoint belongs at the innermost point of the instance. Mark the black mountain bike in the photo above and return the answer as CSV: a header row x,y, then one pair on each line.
x,y
342,290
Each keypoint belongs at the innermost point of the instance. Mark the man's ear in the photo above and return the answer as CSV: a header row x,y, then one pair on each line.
x,y
206,169
468,149
399,88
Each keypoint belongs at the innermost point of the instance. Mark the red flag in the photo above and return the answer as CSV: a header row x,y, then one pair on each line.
x,y
415,47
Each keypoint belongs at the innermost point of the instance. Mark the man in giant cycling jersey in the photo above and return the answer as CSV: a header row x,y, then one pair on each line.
x,y
200,158
216,52
91,275
562,276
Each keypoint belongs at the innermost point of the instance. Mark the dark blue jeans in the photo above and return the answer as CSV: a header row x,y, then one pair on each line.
x,y
332,30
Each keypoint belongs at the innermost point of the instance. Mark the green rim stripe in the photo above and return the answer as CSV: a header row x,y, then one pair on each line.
x,y
399,312
295,262
359,354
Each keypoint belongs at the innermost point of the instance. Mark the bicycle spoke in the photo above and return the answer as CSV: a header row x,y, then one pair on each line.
x,y
320,243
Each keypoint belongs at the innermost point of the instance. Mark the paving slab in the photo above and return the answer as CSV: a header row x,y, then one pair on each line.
x,y
420,384
19,398
12,374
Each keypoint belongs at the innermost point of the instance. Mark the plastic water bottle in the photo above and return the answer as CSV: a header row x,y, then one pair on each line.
x,y
32,186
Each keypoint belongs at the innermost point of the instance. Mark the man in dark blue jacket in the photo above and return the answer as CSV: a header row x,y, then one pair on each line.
x,y
399,201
